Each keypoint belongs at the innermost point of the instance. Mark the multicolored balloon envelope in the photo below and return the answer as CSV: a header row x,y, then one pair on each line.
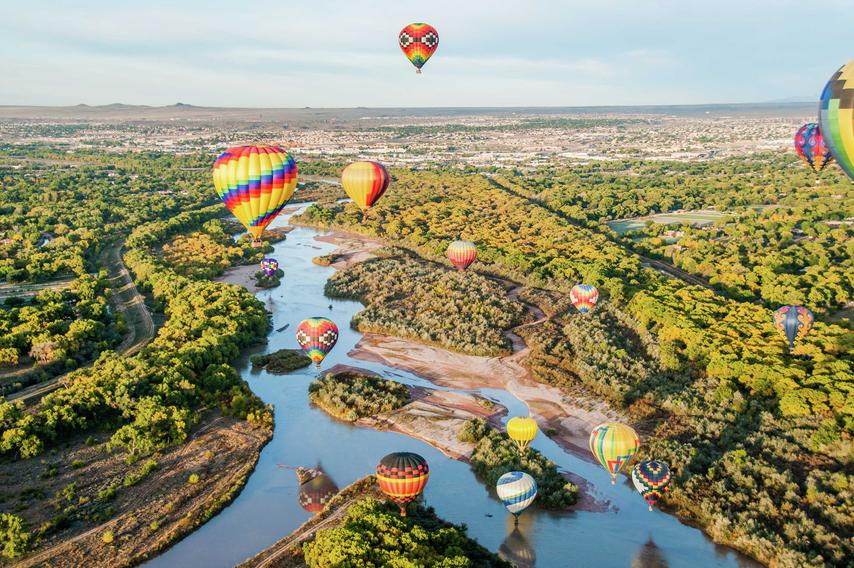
x,y
255,183
522,430
315,493
651,479
614,445
317,337
402,476
365,182
517,490
836,117
418,42
269,266
462,254
584,297
809,144
794,322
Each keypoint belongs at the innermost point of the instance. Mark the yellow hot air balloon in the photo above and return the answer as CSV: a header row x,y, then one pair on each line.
x,y
365,183
614,445
522,431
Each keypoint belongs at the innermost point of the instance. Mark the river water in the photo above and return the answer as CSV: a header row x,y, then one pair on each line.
x,y
267,509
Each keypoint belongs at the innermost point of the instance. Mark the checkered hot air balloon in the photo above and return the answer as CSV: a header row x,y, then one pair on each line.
x,y
317,337
315,493
614,445
402,476
651,479
809,144
793,322
584,297
462,254
269,266
255,183
517,490
365,183
418,43
836,117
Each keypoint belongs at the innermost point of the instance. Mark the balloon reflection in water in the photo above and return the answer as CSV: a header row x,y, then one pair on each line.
x,y
517,550
649,556
315,490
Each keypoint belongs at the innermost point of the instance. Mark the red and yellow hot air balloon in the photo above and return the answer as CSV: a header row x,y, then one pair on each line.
x,y
255,183
365,183
614,445
317,337
584,297
418,43
462,254
402,476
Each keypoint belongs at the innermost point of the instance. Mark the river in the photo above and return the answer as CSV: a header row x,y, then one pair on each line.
x,y
267,509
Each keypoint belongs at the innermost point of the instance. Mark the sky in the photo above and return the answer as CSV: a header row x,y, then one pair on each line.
x,y
320,53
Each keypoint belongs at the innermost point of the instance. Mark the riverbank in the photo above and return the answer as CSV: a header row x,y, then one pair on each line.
x,y
136,510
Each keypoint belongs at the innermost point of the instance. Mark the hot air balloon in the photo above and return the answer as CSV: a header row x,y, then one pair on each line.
x,y
614,445
517,490
809,144
793,322
317,337
418,42
836,117
255,183
651,479
462,254
522,431
315,493
584,297
365,183
269,266
403,476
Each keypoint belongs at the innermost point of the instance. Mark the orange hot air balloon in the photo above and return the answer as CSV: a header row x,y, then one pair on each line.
x,y
365,183
402,476
462,254
255,183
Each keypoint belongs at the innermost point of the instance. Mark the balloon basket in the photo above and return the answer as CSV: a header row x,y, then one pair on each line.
x,y
418,71
257,243
650,508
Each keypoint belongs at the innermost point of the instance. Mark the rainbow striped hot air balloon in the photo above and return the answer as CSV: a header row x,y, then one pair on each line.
x,y
255,183
522,430
402,476
462,254
317,336
614,445
418,43
794,322
365,183
651,479
809,144
269,266
836,117
517,490
584,297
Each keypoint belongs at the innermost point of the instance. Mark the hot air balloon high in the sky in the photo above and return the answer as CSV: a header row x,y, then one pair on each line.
x,y
462,254
651,479
255,183
522,430
402,476
269,266
365,183
517,490
418,42
584,297
809,144
794,322
836,117
317,336
614,445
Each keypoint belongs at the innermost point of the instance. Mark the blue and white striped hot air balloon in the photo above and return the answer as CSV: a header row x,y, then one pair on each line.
x,y
517,490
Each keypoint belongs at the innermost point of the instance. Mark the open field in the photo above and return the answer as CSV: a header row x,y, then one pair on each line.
x,y
695,218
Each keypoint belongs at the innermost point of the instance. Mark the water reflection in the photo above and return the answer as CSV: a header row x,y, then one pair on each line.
x,y
316,488
649,556
516,547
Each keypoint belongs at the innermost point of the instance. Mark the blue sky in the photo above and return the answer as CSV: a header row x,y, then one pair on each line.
x,y
492,53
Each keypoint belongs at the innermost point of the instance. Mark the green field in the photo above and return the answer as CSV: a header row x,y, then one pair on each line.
x,y
697,218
